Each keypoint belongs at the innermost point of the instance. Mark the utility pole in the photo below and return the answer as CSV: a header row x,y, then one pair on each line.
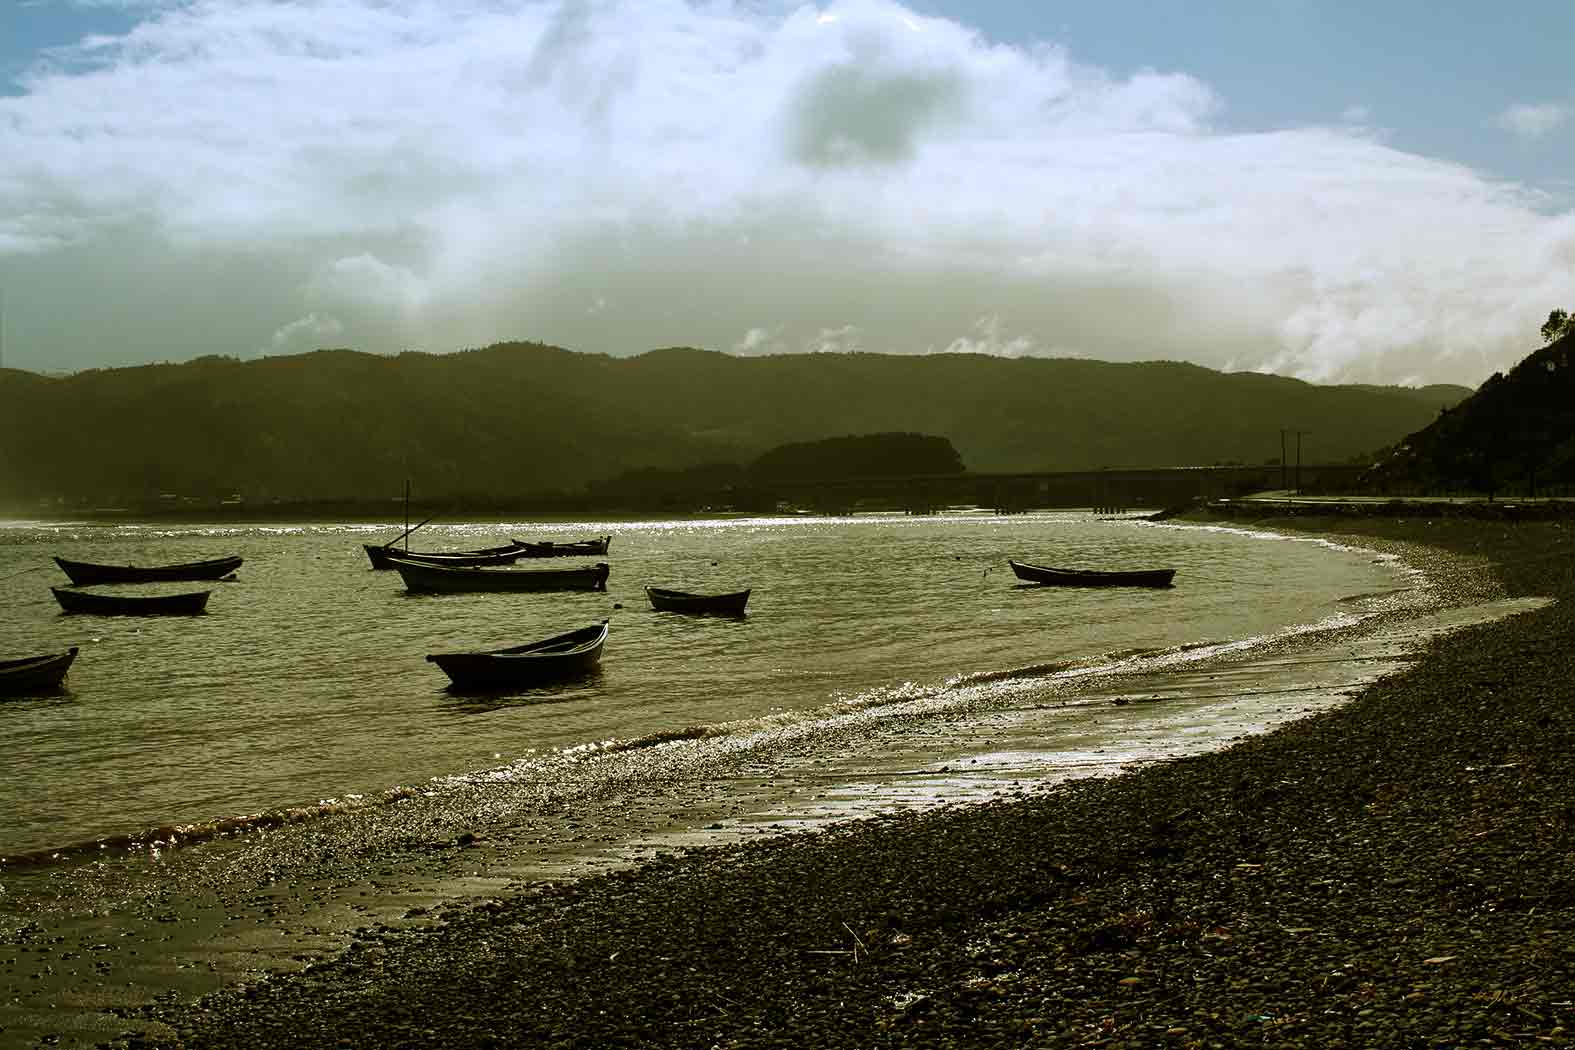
x,y
1282,457
1299,434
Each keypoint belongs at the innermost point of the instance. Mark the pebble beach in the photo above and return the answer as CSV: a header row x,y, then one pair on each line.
x,y
1395,872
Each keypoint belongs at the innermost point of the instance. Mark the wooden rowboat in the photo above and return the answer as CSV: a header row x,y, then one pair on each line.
x,y
86,573
1091,577
423,578
35,674
665,600
73,601
382,557
575,549
562,656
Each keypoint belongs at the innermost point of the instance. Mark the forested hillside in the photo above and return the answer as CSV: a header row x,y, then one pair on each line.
x,y
516,419
1516,432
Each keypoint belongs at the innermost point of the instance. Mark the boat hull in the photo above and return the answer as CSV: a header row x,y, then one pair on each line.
x,y
590,548
35,674
383,557
421,578
1090,578
85,573
73,601
664,600
553,659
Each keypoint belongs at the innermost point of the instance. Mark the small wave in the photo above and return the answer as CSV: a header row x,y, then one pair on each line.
x,y
173,836
1007,674
1123,660
665,737
1371,596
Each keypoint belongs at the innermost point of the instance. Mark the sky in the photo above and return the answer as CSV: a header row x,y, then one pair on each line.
x,y
1335,190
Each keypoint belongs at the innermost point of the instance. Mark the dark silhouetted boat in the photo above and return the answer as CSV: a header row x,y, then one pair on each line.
x,y
666,600
382,556
424,578
86,573
35,674
562,656
73,601
1091,577
573,549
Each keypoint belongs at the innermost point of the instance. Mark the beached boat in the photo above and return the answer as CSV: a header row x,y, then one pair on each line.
x,y
382,556
665,600
35,674
574,549
74,601
86,573
1091,577
561,656
423,578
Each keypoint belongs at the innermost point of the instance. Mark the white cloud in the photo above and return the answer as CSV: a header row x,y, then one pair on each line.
x,y
304,333
757,341
1532,121
989,338
843,340
446,173
366,279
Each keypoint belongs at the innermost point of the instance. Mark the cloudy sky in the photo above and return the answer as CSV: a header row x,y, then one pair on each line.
x,y
1338,190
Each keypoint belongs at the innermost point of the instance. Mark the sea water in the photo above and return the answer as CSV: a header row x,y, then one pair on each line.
x,y
214,798
306,678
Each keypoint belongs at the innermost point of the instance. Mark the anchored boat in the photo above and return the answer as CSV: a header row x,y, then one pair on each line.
x,y
86,573
1091,577
561,656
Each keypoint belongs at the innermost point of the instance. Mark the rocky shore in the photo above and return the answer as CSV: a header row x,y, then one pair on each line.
x,y
1399,872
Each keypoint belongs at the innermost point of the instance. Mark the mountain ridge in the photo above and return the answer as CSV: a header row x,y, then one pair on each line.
x,y
1517,430
515,419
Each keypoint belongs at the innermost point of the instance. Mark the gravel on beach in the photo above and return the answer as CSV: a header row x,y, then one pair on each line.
x,y
1397,872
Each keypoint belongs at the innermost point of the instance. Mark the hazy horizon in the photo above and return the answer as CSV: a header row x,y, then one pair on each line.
x,y
60,373
1334,194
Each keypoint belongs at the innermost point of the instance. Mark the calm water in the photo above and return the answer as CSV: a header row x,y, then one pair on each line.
x,y
305,681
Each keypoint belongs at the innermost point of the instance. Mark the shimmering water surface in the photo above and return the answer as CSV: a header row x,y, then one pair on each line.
x,y
305,680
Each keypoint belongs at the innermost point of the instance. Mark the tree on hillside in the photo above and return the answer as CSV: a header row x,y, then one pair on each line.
x,y
1557,325
860,456
342,425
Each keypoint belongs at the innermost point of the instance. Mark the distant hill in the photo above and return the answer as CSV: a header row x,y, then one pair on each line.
x,y
1516,431
518,419
859,456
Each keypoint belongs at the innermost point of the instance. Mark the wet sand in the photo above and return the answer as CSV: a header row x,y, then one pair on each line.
x,y
1392,871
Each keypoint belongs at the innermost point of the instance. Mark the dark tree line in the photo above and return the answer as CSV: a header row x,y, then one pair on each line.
x,y
1556,326
758,485
519,421
1516,432
867,456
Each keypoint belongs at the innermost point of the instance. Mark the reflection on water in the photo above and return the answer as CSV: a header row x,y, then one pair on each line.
x,y
480,699
306,679
889,670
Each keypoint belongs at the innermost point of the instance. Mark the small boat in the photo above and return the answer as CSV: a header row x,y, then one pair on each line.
x,y
665,600
564,655
1091,577
35,674
574,549
424,578
382,556
73,601
86,573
